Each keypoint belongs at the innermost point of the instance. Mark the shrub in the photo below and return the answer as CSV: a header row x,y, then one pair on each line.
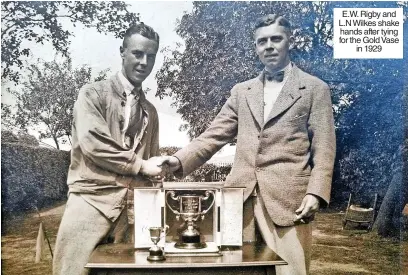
x,y
32,177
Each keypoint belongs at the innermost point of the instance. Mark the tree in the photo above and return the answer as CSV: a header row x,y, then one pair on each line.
x,y
40,21
47,98
366,94
388,221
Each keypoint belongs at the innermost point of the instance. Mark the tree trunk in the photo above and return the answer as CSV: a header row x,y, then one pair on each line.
x,y
56,142
69,139
388,222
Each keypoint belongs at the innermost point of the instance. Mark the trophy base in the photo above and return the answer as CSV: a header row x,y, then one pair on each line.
x,y
190,245
155,258
156,254
172,251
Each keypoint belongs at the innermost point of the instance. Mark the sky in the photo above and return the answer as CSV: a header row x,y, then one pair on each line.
x,y
100,51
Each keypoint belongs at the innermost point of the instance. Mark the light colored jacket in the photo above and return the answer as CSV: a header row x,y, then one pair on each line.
x,y
289,155
102,169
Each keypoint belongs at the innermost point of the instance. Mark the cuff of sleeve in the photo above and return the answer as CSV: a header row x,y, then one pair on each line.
x,y
320,191
188,161
322,202
179,173
133,167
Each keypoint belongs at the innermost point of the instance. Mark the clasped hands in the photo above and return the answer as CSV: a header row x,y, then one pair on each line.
x,y
155,168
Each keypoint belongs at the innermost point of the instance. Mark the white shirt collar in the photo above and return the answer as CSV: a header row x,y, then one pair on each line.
x,y
125,83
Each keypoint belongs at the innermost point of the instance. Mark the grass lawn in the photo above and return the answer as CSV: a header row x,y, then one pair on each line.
x,y
335,251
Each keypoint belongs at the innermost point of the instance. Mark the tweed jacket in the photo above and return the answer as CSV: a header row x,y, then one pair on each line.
x,y
289,155
102,169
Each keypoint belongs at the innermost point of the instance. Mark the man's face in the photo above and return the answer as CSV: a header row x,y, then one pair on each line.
x,y
272,46
138,58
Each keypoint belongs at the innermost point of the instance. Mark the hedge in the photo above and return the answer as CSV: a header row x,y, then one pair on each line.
x,y
32,177
207,173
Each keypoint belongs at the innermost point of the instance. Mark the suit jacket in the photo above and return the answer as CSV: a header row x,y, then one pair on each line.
x,y
289,155
102,169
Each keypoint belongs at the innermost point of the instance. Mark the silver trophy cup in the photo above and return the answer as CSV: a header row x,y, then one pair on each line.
x,y
190,210
155,252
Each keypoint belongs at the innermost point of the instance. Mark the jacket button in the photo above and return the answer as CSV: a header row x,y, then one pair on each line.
x,y
124,94
258,169
123,104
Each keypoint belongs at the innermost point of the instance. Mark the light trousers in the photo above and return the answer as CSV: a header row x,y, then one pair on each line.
x,y
292,243
82,228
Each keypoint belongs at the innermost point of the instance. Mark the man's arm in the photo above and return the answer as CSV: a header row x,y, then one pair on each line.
x,y
323,150
97,143
323,145
221,131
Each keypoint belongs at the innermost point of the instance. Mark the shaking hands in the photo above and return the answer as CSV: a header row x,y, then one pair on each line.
x,y
158,166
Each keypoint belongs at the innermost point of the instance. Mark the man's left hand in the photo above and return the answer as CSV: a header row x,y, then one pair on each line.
x,y
308,207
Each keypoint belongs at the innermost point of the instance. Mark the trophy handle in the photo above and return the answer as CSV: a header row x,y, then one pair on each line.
x,y
207,196
165,230
172,194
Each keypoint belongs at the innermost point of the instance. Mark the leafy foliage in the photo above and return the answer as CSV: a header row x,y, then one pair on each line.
x,y
168,150
210,172
40,21
32,177
20,137
47,98
366,94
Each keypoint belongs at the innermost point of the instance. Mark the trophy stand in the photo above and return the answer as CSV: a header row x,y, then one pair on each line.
x,y
201,217
190,238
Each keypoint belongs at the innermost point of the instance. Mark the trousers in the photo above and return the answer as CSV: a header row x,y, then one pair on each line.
x,y
292,243
81,229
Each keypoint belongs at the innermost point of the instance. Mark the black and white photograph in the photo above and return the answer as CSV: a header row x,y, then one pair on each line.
x,y
204,137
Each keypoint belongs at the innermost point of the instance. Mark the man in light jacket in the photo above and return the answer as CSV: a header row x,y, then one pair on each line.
x,y
115,131
285,150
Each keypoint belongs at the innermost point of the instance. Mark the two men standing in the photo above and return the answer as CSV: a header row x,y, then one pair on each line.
x,y
284,127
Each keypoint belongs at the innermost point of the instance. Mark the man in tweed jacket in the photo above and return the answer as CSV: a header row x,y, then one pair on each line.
x,y
285,149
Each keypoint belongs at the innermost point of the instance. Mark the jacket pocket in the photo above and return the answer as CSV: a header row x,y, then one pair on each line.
x,y
302,118
302,175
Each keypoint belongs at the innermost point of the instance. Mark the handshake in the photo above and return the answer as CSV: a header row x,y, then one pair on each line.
x,y
159,166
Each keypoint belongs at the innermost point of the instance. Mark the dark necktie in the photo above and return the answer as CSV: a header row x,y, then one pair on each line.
x,y
278,76
134,118
134,105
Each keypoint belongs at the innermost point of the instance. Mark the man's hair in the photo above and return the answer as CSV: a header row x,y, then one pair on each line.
x,y
270,19
143,30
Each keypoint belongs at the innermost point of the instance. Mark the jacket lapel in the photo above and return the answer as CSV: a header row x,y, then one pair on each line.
x,y
288,96
254,98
